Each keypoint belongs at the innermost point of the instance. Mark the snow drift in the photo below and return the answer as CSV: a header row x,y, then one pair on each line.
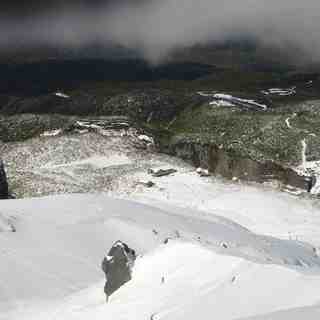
x,y
52,263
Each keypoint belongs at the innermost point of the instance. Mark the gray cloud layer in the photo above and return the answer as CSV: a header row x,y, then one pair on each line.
x,y
154,28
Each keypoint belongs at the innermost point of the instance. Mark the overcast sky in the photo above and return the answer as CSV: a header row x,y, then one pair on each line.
x,y
155,27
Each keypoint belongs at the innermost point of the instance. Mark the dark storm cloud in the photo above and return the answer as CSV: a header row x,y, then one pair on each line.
x,y
156,27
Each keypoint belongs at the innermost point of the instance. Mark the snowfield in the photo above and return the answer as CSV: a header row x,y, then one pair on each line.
x,y
52,261
208,249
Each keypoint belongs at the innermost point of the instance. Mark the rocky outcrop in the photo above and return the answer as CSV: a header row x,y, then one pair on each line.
x,y
117,266
268,145
4,190
230,165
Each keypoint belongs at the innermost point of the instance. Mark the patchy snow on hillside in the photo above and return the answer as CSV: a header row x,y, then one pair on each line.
x,y
51,133
81,162
227,100
244,102
221,103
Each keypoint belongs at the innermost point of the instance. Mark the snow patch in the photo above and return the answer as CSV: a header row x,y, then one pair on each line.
x,y
222,103
62,95
232,99
146,139
51,133
221,99
288,123
280,92
303,154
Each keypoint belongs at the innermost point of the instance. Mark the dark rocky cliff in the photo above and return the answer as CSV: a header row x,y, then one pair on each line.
x,y
4,190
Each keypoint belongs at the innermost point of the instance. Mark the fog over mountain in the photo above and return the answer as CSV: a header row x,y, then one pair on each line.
x,y
155,28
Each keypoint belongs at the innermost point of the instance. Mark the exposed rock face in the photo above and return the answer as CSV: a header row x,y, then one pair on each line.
x,y
4,191
117,266
229,165
278,144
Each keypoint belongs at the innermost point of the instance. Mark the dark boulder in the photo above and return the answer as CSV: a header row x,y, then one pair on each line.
x,y
117,266
4,190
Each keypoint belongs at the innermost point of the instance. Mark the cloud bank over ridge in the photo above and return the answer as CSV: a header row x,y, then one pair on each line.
x,y
156,27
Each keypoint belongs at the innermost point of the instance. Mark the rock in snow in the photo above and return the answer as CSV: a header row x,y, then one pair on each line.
x,y
203,172
117,266
4,192
162,172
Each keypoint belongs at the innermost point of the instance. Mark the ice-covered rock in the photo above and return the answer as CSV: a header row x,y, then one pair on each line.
x,y
117,266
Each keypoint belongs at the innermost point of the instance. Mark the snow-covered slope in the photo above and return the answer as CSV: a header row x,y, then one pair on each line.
x,y
310,313
6,225
210,266
259,208
207,249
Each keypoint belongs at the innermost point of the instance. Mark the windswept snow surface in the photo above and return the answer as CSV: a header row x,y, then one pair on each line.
x,y
221,103
210,266
308,313
207,249
6,223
